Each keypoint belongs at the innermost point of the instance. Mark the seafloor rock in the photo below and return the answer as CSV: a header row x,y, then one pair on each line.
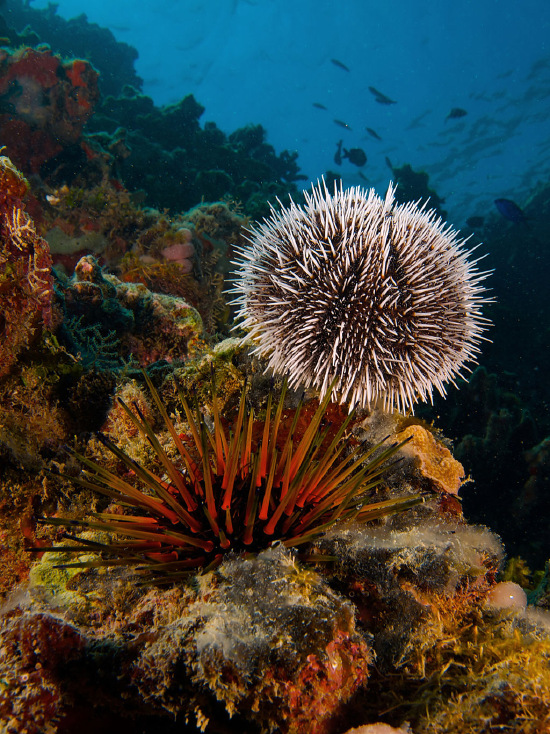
x,y
34,648
447,662
379,728
263,637
391,573
268,639
397,629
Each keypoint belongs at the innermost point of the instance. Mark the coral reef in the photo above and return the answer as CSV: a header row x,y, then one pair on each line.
x,y
399,627
495,672
379,728
178,163
100,220
397,623
162,154
448,660
44,105
261,640
37,648
19,499
269,640
116,320
391,573
189,256
31,420
409,618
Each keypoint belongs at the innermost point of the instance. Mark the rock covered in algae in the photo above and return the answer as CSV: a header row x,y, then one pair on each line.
x,y
483,671
398,629
270,640
38,654
390,573
261,638
379,728
447,659
26,287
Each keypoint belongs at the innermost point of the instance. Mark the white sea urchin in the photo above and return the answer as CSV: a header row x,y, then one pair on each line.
x,y
378,296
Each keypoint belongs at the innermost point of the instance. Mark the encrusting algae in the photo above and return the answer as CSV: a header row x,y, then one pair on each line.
x,y
435,461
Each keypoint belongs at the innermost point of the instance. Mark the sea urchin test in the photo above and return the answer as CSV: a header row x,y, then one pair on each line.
x,y
379,298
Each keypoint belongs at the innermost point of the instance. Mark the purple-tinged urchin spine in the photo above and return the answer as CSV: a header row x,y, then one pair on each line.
x,y
378,296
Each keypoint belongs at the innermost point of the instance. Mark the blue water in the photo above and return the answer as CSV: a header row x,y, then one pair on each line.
x,y
268,61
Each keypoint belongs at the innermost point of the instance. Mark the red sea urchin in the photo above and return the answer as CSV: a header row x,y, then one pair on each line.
x,y
379,297
237,490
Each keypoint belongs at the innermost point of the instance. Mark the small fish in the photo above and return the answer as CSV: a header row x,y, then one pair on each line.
x,y
388,163
319,106
373,133
510,210
356,156
342,124
475,222
381,98
455,113
339,64
362,175
338,154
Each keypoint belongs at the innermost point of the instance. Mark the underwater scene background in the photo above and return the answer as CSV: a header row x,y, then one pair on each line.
x,y
143,146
